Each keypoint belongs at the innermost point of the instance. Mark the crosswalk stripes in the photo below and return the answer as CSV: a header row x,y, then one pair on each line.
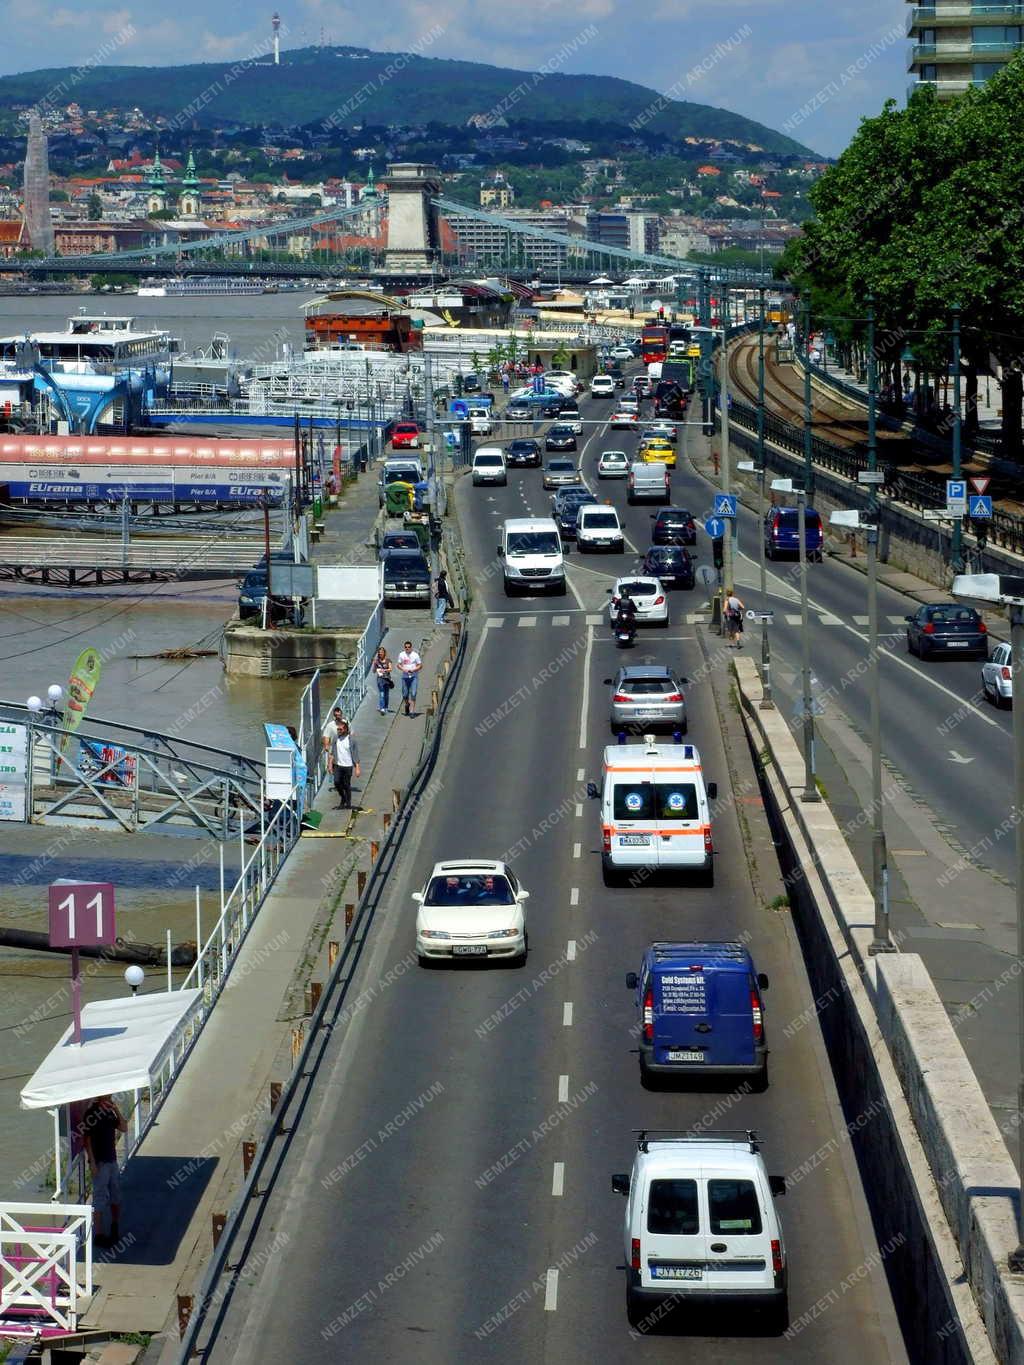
x,y
560,620
494,621
860,620
690,618
594,618
526,621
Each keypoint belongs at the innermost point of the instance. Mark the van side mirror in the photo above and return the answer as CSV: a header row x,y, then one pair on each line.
x,y
620,1184
777,1184
500,552
908,618
712,790
607,681
631,981
417,896
592,791
762,980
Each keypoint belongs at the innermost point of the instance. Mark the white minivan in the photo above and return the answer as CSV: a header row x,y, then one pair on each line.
x,y
598,528
701,1226
531,556
655,810
489,465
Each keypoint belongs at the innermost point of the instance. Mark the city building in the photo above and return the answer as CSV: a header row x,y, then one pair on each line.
x,y
13,237
478,241
609,229
644,232
956,45
496,193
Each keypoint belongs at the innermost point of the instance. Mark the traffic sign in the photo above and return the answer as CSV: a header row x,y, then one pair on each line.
x,y
981,482
871,476
715,527
725,505
707,576
956,496
936,514
981,507
766,618
81,914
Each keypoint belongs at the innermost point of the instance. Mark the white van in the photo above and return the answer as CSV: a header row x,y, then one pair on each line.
x,y
489,465
701,1226
598,528
531,556
648,482
655,810
602,386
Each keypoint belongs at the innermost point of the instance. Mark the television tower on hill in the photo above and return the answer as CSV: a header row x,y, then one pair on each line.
x,y
275,24
37,187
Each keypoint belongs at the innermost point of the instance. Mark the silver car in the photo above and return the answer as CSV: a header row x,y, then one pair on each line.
x,y
561,472
647,697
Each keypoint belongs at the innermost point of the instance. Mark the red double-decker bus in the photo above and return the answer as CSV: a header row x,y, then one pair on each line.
x,y
654,343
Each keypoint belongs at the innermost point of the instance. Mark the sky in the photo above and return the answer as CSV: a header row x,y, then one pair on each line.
x,y
809,68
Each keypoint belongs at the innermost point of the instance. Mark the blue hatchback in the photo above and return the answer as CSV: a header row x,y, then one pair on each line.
x,y
782,532
701,1012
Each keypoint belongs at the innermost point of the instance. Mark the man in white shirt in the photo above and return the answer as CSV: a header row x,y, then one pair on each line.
x,y
344,762
331,732
409,665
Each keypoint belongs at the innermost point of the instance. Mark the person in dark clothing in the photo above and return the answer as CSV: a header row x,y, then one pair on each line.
x,y
101,1123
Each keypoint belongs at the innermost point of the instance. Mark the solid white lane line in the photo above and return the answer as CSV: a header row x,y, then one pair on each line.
x,y
551,1291
577,850
585,695
567,1014
558,1178
574,896
563,1089
570,951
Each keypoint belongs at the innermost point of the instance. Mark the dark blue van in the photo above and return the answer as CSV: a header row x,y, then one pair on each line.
x,y
782,532
701,1012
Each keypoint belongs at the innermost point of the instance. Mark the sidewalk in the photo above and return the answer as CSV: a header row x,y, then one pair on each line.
x,y
989,394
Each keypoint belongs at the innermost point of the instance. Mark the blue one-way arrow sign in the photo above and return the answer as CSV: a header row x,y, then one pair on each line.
x,y
725,505
715,527
980,507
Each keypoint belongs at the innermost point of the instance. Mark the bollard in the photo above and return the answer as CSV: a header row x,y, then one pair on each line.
x,y
307,1000
248,1157
275,1095
374,850
184,1313
386,820
360,881
219,1222
296,1043
316,989
396,798
853,545
333,948
433,698
349,912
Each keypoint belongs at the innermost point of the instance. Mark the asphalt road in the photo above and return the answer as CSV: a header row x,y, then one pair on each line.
x,y
447,1195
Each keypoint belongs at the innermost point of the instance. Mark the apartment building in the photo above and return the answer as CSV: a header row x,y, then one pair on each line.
x,y
955,45
477,240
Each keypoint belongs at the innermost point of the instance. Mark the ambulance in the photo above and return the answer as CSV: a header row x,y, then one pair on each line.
x,y
655,811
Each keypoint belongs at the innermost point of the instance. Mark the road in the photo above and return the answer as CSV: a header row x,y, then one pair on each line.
x,y
447,1193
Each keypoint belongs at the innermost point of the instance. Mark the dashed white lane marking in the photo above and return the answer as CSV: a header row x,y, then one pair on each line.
x,y
579,809
859,620
594,619
560,620
570,951
558,1179
897,620
494,622
563,1089
577,850
567,1014
829,621
551,1291
574,896
526,621
581,774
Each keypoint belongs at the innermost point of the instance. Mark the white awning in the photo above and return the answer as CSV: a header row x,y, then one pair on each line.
x,y
124,1044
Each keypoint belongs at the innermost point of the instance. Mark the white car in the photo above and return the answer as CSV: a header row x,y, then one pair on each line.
x,y
622,353
665,430
480,421
997,676
629,404
613,464
598,528
624,419
471,909
602,386
648,596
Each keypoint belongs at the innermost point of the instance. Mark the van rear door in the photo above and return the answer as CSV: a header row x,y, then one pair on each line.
x,y
680,826
740,1224
673,1248
633,836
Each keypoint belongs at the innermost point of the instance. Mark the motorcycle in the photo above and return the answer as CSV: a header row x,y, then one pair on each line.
x,y
625,633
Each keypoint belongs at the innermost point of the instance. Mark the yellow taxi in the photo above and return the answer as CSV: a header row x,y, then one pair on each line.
x,y
656,448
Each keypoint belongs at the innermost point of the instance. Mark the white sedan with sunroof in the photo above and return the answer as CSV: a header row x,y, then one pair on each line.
x,y
649,598
469,910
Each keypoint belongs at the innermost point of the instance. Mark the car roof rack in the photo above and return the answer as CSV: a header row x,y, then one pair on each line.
x,y
740,1135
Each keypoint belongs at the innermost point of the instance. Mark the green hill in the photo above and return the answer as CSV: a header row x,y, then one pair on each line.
x,y
346,87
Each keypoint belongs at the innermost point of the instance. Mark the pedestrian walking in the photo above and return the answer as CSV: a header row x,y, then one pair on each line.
x,y
442,598
331,731
409,665
734,618
344,764
385,682
99,1127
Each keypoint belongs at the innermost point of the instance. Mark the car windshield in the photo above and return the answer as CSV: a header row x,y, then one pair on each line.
x,y
488,459
601,520
637,589
533,543
733,1208
674,517
614,457
523,447
561,466
672,1208
401,540
469,891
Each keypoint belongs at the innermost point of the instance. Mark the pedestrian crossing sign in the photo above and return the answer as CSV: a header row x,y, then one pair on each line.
x,y
725,505
980,507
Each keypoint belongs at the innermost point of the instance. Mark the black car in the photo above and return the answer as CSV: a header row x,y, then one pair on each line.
x,y
560,438
617,375
551,407
406,577
673,526
671,563
566,510
524,452
947,628
250,600
399,540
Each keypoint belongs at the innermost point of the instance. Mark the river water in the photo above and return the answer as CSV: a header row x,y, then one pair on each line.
x,y
42,631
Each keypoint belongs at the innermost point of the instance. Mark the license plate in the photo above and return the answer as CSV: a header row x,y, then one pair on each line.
x,y
683,1055
957,644
677,1272
643,715
469,950
637,840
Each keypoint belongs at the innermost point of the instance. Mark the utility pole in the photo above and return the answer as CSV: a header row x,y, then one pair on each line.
x,y
727,543
958,522
810,792
766,667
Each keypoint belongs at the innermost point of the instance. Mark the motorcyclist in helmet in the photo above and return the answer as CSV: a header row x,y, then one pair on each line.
x,y
625,610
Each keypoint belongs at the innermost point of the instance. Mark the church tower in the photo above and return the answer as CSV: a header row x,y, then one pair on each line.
x,y
156,197
188,200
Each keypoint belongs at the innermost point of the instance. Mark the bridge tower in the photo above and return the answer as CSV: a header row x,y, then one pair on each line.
x,y
413,234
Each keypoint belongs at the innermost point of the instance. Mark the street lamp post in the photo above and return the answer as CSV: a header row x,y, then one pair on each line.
x,y
958,522
727,547
762,509
810,792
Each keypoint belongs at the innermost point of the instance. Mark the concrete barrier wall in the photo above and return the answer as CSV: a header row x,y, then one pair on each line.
x,y
938,1268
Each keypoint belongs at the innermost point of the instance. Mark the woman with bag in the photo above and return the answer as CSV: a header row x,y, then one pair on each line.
x,y
385,682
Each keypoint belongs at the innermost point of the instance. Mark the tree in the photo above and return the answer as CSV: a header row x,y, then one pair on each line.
x,y
95,207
